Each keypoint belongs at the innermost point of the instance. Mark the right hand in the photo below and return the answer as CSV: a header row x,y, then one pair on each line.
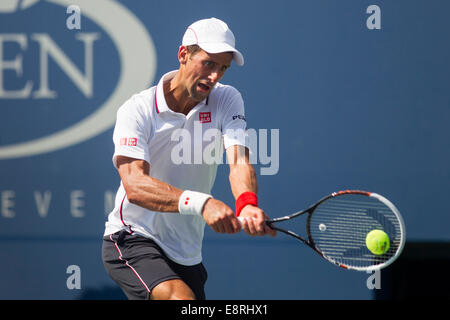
x,y
220,217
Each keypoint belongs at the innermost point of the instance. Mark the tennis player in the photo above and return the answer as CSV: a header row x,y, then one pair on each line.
x,y
153,238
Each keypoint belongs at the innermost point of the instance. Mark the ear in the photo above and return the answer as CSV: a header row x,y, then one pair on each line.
x,y
183,54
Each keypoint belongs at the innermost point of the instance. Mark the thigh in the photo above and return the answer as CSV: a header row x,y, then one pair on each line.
x,y
136,264
175,289
194,276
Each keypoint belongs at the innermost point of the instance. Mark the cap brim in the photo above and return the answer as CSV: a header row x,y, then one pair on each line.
x,y
238,58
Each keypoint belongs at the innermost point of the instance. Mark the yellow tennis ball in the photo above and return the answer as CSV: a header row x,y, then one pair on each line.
x,y
377,241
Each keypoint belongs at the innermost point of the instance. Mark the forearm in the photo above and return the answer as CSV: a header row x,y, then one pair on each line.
x,y
153,194
242,179
144,190
242,174
156,195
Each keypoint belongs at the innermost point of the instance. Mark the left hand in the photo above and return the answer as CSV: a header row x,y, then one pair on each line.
x,y
253,222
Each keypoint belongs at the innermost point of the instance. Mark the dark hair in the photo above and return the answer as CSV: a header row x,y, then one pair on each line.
x,y
192,49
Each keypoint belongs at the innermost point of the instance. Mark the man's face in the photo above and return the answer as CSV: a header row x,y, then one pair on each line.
x,y
203,70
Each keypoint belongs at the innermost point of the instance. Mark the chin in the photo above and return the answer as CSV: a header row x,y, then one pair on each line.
x,y
196,96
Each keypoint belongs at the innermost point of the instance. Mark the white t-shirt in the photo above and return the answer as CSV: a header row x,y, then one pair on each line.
x,y
183,151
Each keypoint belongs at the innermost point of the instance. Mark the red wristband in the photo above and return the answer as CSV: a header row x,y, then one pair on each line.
x,y
244,199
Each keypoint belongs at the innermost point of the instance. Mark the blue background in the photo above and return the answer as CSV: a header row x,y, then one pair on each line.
x,y
356,108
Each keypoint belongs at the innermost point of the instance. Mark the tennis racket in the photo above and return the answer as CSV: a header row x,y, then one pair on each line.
x,y
337,226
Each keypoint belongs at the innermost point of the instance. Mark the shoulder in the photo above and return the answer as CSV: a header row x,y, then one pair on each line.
x,y
223,94
225,90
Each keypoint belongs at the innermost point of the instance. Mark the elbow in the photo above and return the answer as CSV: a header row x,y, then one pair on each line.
x,y
132,198
132,193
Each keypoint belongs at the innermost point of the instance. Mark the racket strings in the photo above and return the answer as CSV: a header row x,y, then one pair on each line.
x,y
339,227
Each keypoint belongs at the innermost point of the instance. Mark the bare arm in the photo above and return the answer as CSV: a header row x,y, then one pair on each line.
x,y
242,179
242,174
144,190
156,195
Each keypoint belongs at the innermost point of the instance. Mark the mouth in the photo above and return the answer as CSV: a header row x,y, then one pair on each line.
x,y
203,87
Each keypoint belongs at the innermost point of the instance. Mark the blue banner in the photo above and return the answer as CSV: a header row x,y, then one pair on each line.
x,y
339,95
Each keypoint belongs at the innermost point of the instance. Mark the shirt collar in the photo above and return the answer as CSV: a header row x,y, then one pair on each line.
x,y
160,99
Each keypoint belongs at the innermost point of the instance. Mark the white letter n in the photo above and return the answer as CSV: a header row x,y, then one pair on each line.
x,y
49,48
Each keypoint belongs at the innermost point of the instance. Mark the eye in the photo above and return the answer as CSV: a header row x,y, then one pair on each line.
x,y
208,63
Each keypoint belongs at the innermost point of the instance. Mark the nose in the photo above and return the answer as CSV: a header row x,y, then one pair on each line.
x,y
214,77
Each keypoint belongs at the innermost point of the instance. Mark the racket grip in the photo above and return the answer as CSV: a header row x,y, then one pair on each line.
x,y
241,221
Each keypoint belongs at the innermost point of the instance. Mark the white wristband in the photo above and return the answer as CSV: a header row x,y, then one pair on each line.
x,y
192,202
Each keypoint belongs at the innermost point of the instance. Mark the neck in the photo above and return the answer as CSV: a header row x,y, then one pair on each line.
x,y
177,96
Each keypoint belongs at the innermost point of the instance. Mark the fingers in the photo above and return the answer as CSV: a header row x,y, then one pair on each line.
x,y
225,224
270,231
236,225
267,229
253,227
254,224
220,217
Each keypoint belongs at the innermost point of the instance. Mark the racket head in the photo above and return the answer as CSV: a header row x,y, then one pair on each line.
x,y
337,227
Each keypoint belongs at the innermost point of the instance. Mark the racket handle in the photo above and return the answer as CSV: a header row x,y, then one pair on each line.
x,y
241,220
268,222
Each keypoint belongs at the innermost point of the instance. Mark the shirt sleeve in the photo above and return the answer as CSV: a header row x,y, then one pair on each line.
x,y
131,132
234,123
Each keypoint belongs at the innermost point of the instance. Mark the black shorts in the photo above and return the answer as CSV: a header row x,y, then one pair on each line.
x,y
137,264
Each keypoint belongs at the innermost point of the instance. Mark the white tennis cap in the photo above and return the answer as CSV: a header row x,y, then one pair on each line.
x,y
213,36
